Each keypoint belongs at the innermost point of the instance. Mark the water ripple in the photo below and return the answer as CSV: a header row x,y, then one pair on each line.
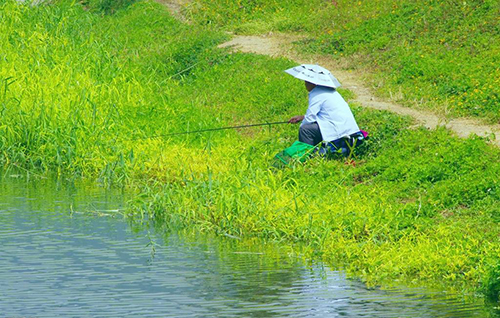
x,y
55,263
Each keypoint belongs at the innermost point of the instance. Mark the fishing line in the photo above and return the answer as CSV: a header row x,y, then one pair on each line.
x,y
211,129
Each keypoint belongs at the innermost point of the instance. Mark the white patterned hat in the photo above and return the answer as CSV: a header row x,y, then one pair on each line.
x,y
314,74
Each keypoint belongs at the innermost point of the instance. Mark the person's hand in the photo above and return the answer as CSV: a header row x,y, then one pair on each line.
x,y
296,119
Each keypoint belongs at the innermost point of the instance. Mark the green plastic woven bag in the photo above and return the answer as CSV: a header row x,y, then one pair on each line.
x,y
298,151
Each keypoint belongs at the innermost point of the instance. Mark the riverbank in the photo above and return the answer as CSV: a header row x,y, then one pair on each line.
x,y
82,93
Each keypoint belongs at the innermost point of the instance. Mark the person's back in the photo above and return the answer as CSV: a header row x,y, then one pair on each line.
x,y
328,117
331,112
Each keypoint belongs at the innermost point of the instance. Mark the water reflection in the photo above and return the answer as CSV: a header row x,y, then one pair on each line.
x,y
57,259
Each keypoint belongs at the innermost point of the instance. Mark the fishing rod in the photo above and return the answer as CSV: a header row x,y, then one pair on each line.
x,y
212,129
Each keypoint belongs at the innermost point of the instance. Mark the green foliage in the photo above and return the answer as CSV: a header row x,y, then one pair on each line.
x,y
443,54
491,283
81,92
77,82
251,16
107,6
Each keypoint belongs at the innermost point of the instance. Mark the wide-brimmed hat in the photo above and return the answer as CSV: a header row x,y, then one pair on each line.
x,y
314,74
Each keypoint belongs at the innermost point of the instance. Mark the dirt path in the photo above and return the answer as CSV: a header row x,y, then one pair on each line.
x,y
175,7
281,45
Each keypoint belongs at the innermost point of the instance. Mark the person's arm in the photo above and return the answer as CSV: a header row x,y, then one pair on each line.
x,y
296,119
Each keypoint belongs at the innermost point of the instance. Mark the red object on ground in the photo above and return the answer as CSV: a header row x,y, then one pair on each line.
x,y
350,162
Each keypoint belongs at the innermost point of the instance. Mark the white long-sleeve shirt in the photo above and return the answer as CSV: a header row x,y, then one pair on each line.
x,y
331,112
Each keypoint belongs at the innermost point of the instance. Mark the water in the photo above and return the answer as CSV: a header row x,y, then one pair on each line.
x,y
66,251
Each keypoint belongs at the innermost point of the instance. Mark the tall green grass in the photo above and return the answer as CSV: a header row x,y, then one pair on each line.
x,y
73,86
81,93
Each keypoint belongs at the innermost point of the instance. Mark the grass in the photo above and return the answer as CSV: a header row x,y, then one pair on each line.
x,y
437,55
82,91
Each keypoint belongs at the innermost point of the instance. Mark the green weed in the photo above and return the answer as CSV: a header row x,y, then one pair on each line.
x,y
491,283
106,6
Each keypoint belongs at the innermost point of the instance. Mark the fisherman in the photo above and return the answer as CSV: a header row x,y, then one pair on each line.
x,y
328,117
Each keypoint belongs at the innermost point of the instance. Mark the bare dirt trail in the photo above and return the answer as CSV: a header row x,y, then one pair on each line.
x,y
280,45
175,7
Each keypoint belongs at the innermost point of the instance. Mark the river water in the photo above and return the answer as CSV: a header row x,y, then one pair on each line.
x,y
67,251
